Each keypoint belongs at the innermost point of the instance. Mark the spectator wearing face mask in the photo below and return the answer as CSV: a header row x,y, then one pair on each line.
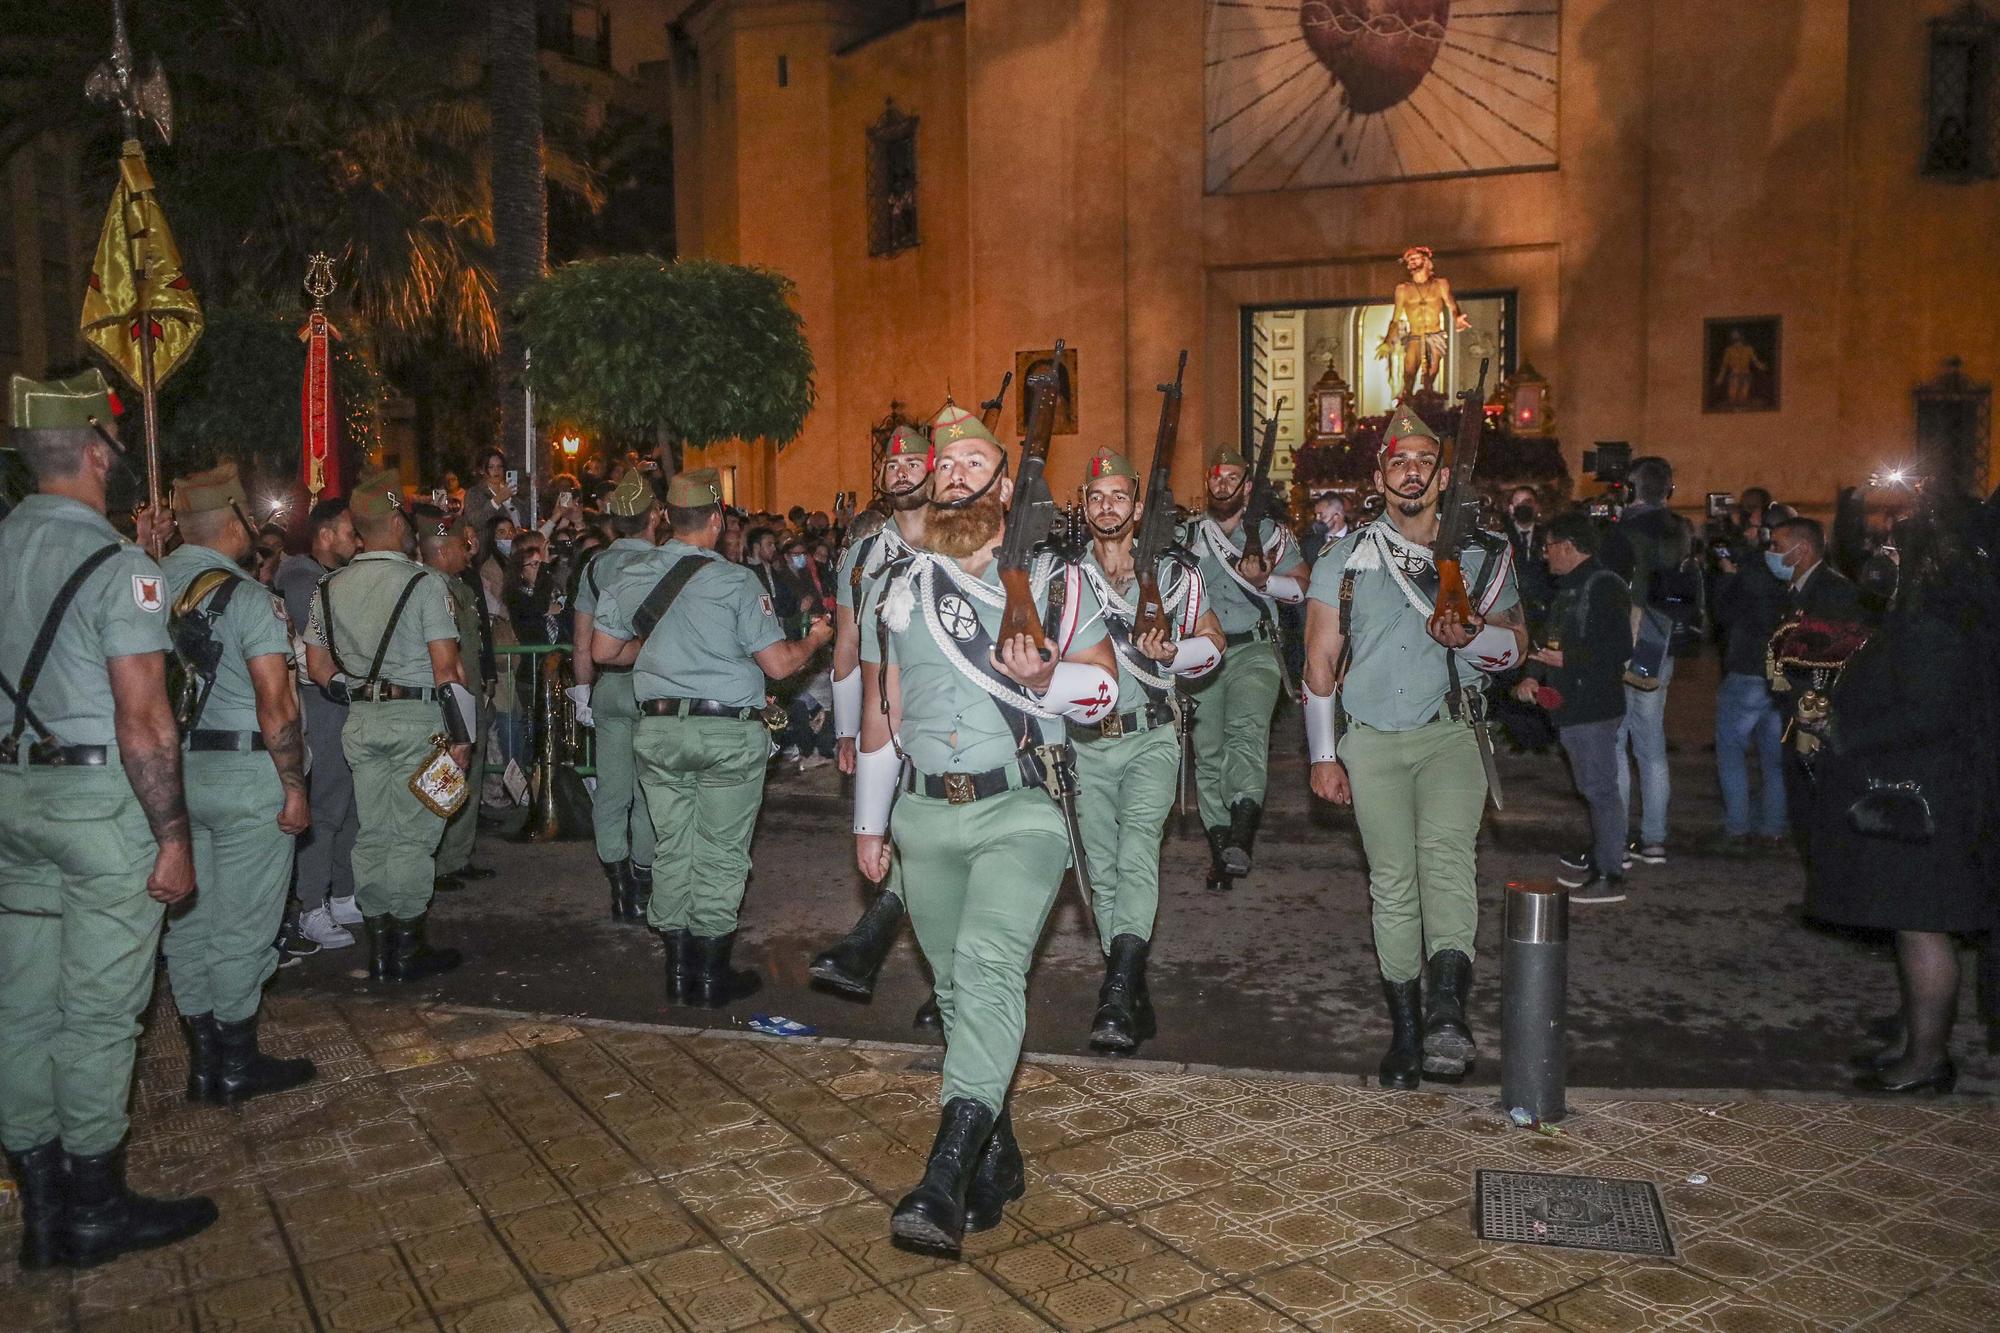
x,y
1529,538
1329,524
1749,603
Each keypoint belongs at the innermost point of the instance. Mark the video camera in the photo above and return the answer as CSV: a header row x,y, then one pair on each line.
x,y
1610,462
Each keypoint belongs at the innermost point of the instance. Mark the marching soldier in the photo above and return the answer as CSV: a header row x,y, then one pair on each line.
x,y
1128,765
604,699
699,635
903,484
1232,724
447,548
1409,760
983,847
384,632
95,843
246,790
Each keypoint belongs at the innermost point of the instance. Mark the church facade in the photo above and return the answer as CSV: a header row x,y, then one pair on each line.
x,y
1742,235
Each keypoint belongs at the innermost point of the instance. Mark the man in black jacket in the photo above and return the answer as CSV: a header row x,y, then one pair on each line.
x,y
1798,556
1583,685
1749,603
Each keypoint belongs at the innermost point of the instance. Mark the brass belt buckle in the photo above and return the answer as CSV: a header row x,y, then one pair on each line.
x,y
958,788
1112,726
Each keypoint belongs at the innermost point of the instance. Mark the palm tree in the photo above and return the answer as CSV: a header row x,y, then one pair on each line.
x,y
520,195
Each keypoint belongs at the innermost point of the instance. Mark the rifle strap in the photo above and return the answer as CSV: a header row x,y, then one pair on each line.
x,y
389,630
1346,650
45,639
976,654
222,583
661,598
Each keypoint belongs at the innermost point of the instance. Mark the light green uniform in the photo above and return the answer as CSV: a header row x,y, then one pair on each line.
x,y
1419,786
703,777
78,934
1126,782
1232,721
223,948
461,831
980,878
867,558
387,740
618,813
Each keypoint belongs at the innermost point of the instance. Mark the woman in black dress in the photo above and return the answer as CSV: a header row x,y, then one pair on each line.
x,y
1907,801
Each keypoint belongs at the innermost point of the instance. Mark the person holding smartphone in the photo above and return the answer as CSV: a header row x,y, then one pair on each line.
x,y
491,491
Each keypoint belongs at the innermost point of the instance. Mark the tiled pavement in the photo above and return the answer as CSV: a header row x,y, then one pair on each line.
x,y
476,1172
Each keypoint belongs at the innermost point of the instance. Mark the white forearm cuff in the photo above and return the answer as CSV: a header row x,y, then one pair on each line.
x,y
1194,656
847,706
1284,588
1495,648
875,774
1321,743
1081,692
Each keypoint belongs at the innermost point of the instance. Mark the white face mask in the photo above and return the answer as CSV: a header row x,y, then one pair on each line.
x,y
504,545
798,562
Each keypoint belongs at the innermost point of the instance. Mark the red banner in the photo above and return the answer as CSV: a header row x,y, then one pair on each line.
x,y
319,463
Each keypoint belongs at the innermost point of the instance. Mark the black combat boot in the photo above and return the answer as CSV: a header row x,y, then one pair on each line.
x,y
681,966
38,1175
1241,835
199,1029
243,1071
614,875
850,966
381,947
1448,1046
931,1217
640,896
928,1014
1124,1008
1000,1177
412,958
1402,1065
715,983
1219,878
106,1219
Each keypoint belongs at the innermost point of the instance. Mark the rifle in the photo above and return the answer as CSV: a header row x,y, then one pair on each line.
x,y
1032,512
989,411
1458,510
1263,502
1156,526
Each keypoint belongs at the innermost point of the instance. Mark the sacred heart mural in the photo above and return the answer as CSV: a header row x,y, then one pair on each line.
x,y
1304,93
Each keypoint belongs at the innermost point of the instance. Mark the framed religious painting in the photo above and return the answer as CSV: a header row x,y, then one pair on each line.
x,y
1741,366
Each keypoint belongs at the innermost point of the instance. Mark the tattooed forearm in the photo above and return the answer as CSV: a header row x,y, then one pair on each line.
x,y
155,772
288,753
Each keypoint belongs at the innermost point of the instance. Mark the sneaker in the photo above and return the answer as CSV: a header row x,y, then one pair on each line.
x,y
319,926
344,911
292,946
1649,853
1577,861
1577,867
1600,889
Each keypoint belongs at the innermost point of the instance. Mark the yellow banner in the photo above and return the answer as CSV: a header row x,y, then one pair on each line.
x,y
137,275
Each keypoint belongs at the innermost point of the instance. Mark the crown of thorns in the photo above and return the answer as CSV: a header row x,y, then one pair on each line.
x,y
1423,250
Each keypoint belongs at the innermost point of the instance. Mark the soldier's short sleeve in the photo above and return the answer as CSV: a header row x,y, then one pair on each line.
x,y
432,610
1332,563
127,605
612,616
258,619
757,626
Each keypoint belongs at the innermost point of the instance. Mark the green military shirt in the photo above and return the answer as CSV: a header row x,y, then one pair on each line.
x,y
702,648
1233,604
254,624
1396,675
604,567
121,610
1180,589
363,595
872,553
465,610
950,724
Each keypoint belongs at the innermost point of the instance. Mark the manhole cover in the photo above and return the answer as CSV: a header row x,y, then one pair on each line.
x,y
1574,1212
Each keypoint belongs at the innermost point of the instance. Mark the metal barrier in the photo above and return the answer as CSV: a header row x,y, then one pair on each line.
x,y
558,742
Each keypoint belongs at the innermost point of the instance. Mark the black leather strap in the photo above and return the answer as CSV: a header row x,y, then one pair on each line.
x,y
386,693
66,756
45,638
232,742
1261,634
1155,714
959,788
654,608
696,708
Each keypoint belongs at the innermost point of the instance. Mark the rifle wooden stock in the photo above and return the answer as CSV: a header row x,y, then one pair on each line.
x,y
1021,615
1030,509
1454,604
1458,512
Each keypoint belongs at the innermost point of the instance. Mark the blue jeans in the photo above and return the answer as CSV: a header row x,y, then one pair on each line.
x,y
1645,730
1593,764
1746,714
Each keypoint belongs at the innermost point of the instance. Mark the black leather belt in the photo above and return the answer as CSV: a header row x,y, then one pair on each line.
x,y
696,708
234,742
1154,714
1262,633
62,756
386,693
965,788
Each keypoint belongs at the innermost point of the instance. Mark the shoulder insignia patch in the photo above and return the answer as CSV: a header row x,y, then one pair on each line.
x,y
278,610
146,592
764,600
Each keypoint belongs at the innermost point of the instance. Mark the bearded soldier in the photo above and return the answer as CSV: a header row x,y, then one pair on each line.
x,y
1409,760
904,486
699,635
604,699
246,791
1128,764
1232,721
968,732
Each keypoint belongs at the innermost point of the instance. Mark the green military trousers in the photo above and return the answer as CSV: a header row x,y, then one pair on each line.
x,y
454,851
1126,786
223,947
1417,800
1232,729
78,936
396,835
618,813
703,780
979,881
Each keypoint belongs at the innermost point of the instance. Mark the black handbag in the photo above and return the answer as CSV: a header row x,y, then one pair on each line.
x,y
1897,811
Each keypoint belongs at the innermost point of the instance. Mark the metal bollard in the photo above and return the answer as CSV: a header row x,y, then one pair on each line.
x,y
1533,1002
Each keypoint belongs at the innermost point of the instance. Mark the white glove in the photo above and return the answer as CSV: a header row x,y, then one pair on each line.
x,y
847,706
875,774
1495,648
1081,692
1320,739
579,695
1194,656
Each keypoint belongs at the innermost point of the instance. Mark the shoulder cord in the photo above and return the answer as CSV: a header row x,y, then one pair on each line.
x,y
1008,698
1143,669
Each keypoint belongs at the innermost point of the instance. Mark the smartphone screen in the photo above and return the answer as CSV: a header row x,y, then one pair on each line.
x,y
513,479
437,496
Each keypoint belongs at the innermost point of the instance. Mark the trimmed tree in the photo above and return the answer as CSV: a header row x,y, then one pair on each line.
x,y
695,352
